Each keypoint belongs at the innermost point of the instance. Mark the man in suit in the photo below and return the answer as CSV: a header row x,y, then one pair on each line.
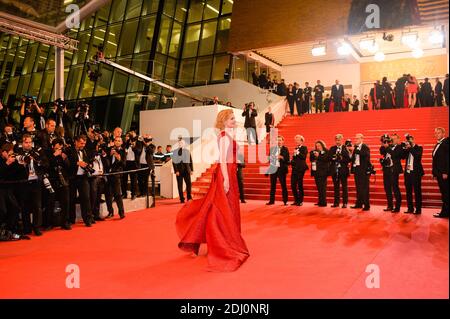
x,y
340,158
387,101
446,90
440,168
269,121
307,93
47,135
117,158
183,167
299,167
79,169
438,95
337,93
318,96
413,174
279,161
360,162
147,148
427,94
240,177
298,99
400,91
250,115
376,95
392,153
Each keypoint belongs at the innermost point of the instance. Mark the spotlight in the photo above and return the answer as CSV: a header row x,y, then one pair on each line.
x,y
417,53
344,49
379,56
369,44
319,50
436,37
410,39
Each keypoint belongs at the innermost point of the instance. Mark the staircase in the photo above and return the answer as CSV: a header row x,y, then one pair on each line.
x,y
419,122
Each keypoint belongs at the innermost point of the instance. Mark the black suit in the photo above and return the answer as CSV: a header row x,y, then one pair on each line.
x,y
337,94
387,101
361,176
114,189
427,94
340,172
9,206
278,172
392,168
400,91
413,178
299,100
59,178
182,164
318,97
440,166
320,169
269,120
446,92
299,167
291,96
438,94
307,92
250,123
144,175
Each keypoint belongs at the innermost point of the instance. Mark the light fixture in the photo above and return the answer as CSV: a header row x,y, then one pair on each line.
x,y
319,50
344,49
410,39
417,53
379,56
436,37
368,44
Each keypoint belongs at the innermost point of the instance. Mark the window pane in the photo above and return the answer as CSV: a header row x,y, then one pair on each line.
x,y
9,59
83,45
117,10
169,7
135,85
163,41
12,86
223,35
104,81
24,82
87,87
211,9
195,11
221,63
187,72
203,70
126,45
140,62
20,59
30,58
160,62
112,41
87,23
208,38
97,40
35,84
51,59
119,82
191,40
134,8
150,6
46,92
171,71
102,16
181,10
174,47
227,6
73,82
145,34
42,58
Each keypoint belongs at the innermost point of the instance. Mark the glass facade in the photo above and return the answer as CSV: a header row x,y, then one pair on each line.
x,y
181,42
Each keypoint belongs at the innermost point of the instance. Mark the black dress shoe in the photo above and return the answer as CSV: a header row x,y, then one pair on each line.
x,y
396,210
182,201
285,203
408,212
388,209
356,207
88,224
344,206
440,215
322,205
366,208
122,216
48,228
417,212
243,201
110,215
37,232
66,227
334,205
99,219
270,203
294,204
316,204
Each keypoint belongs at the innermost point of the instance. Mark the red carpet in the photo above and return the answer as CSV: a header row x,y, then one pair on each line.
x,y
418,122
301,252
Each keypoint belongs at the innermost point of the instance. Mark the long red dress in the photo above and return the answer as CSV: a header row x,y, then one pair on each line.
x,y
216,219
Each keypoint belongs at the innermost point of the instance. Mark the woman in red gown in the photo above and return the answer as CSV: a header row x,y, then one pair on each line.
x,y
215,219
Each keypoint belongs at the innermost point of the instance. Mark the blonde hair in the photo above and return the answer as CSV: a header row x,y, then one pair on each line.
x,y
300,136
339,136
440,129
223,116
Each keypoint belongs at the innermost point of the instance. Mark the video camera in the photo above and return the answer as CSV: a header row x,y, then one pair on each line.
x,y
348,143
28,99
385,139
408,140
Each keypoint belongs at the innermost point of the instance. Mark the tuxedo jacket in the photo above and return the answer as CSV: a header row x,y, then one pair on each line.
x,y
397,153
322,163
416,152
269,119
182,161
298,161
440,158
318,90
344,160
72,155
284,162
250,118
337,93
364,159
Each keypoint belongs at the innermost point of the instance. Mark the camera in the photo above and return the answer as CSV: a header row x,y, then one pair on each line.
x,y
348,143
408,141
62,180
370,169
385,139
89,170
83,109
28,99
386,162
147,140
336,157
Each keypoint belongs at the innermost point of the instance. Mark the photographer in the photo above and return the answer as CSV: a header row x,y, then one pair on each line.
x,y
360,168
392,153
30,129
132,152
100,164
29,108
340,158
320,167
82,119
58,113
250,115
80,170
10,171
413,174
9,136
146,160
299,167
117,157
47,135
59,177
36,165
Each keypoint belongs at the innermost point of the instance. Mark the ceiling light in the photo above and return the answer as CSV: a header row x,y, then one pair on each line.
x,y
319,50
410,39
366,43
344,49
436,37
417,53
379,56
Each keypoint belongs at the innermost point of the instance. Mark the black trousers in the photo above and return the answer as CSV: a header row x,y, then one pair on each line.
x,y
130,165
81,184
413,181
32,205
298,104
439,100
390,182
251,131
338,180
306,105
362,188
291,105
97,188
297,186
143,180
186,176
240,180
9,209
399,99
443,187
338,105
321,184
61,195
113,191
319,103
273,185
447,100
